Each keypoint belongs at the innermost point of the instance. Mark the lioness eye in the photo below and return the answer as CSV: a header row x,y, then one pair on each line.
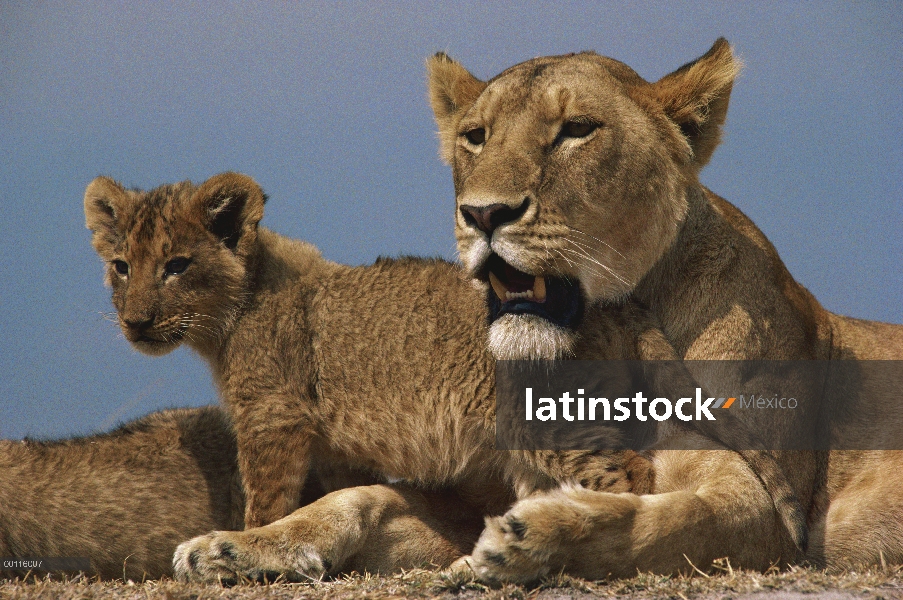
x,y
577,129
477,136
121,267
176,266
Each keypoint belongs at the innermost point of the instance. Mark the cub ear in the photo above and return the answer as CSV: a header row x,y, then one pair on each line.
x,y
230,205
105,202
695,98
452,91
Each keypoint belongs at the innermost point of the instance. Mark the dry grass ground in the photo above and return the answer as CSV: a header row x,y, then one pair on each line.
x,y
796,584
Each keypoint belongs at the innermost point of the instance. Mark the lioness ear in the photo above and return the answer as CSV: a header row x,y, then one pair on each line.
x,y
230,206
695,98
452,91
105,202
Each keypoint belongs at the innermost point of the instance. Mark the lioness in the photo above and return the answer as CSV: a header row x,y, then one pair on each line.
x,y
382,367
575,173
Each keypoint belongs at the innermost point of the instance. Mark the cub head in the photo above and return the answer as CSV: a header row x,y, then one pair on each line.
x,y
179,257
571,176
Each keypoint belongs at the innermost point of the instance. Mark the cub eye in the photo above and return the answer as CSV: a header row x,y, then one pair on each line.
x,y
121,267
176,266
477,136
577,129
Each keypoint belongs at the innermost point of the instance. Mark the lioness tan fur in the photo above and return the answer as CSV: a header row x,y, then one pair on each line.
x,y
574,168
383,368
127,498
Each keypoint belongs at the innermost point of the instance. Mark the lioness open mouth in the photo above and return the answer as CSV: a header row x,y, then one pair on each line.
x,y
514,292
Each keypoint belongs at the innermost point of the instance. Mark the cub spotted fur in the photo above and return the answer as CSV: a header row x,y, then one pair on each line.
x,y
382,367
123,499
574,174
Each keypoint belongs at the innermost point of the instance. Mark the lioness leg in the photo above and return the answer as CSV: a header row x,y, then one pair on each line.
x,y
708,504
376,528
864,521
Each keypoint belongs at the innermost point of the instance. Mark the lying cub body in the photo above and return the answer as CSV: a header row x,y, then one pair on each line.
x,y
123,500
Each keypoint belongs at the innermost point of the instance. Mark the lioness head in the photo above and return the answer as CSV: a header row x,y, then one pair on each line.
x,y
178,257
571,176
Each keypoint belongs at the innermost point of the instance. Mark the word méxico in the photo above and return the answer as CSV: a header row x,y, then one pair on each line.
x,y
588,409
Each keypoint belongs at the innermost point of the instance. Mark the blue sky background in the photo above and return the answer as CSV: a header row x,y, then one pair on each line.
x,y
325,105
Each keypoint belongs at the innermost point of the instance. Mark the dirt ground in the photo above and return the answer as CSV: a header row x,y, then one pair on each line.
x,y
796,584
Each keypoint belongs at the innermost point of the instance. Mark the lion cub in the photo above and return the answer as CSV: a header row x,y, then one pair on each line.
x,y
383,367
123,499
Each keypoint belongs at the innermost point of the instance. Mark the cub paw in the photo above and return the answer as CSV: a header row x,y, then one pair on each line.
x,y
235,556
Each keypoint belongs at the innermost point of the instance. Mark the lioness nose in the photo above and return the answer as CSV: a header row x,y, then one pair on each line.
x,y
488,218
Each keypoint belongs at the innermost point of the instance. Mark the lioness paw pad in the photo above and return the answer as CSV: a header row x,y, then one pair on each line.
x,y
505,552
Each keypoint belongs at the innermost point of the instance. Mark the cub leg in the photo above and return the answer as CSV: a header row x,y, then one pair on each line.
x,y
708,504
376,528
274,452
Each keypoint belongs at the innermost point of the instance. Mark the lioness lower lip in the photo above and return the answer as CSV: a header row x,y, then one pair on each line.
x,y
498,287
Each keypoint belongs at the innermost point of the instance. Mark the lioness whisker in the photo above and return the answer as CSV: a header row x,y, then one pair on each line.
x,y
586,254
609,274
595,239
592,270
587,250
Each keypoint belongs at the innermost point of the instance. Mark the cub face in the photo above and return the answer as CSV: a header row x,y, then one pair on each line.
x,y
571,176
178,257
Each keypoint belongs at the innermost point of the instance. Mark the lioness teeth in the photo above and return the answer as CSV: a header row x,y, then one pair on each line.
x,y
515,295
537,294
498,287
539,289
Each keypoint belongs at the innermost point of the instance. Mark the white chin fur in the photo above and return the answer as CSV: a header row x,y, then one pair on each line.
x,y
528,337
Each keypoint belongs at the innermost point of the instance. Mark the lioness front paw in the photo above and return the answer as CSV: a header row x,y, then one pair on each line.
x,y
233,556
581,532
525,543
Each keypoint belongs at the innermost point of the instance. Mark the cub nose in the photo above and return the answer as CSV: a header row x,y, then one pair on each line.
x,y
488,218
138,323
